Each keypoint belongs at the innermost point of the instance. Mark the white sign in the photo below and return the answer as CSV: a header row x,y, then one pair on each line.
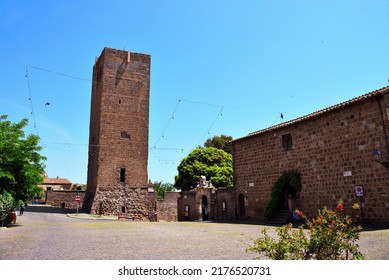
x,y
359,191
347,173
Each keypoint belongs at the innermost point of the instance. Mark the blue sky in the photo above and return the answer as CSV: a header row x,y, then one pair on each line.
x,y
217,67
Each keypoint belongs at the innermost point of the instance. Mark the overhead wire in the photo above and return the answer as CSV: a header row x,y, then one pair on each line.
x,y
59,73
30,99
172,117
209,129
162,135
167,124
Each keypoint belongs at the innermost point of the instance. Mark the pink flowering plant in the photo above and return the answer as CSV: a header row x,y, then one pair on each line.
x,y
332,235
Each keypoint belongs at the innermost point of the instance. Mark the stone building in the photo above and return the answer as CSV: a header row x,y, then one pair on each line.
x,y
167,207
55,183
206,203
340,152
117,180
65,199
52,184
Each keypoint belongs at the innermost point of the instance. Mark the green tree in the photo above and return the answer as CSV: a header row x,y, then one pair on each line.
x,y
221,142
213,163
21,165
162,187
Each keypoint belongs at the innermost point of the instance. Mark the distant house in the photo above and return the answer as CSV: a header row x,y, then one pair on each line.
x,y
56,183
340,152
52,184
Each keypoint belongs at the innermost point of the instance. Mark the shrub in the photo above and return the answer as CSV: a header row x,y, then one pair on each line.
x,y
332,236
101,209
7,205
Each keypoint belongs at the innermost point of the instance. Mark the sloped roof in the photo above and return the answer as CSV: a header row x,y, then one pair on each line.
x,y
56,181
369,95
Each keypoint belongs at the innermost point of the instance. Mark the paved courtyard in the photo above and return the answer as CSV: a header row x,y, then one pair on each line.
x,y
41,234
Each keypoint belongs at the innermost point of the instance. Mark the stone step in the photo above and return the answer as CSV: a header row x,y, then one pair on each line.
x,y
281,218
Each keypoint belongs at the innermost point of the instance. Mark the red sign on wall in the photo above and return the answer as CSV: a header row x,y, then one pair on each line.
x,y
77,198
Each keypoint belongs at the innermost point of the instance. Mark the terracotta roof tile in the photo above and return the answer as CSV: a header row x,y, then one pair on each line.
x,y
371,94
56,181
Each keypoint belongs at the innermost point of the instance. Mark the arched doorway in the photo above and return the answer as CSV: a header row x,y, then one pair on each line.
x,y
241,205
284,196
204,208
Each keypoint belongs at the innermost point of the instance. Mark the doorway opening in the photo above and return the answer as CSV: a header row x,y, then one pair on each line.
x,y
204,208
242,206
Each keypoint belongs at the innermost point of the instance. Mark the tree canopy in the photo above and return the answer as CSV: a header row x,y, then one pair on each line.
x,y
21,164
213,163
161,188
220,142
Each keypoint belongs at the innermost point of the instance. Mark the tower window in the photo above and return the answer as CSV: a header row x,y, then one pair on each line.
x,y
287,143
124,134
122,175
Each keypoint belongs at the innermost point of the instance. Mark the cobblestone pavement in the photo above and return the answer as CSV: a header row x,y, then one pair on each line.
x,y
56,236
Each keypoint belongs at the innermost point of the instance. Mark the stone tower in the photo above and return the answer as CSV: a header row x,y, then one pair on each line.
x,y
118,136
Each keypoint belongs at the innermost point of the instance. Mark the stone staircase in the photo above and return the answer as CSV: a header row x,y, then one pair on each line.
x,y
281,218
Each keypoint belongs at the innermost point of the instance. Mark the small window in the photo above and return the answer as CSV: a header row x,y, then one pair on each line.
x,y
124,134
122,175
287,143
123,209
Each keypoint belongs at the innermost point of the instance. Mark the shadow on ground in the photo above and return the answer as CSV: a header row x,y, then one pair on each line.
x,y
57,210
42,208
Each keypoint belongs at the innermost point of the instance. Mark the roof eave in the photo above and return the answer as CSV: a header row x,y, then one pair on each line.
x,y
339,106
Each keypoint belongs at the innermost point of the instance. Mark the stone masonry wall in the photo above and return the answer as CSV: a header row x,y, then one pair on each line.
x,y
225,204
167,207
65,198
135,203
332,151
118,137
221,204
187,200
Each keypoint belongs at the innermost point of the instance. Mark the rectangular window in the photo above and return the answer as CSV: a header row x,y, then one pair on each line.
x,y
287,143
124,134
122,175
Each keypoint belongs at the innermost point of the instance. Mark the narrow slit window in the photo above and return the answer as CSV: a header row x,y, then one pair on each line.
x,y
287,143
122,175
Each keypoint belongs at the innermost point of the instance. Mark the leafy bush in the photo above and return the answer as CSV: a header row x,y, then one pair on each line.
x,y
7,205
101,209
332,236
161,188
